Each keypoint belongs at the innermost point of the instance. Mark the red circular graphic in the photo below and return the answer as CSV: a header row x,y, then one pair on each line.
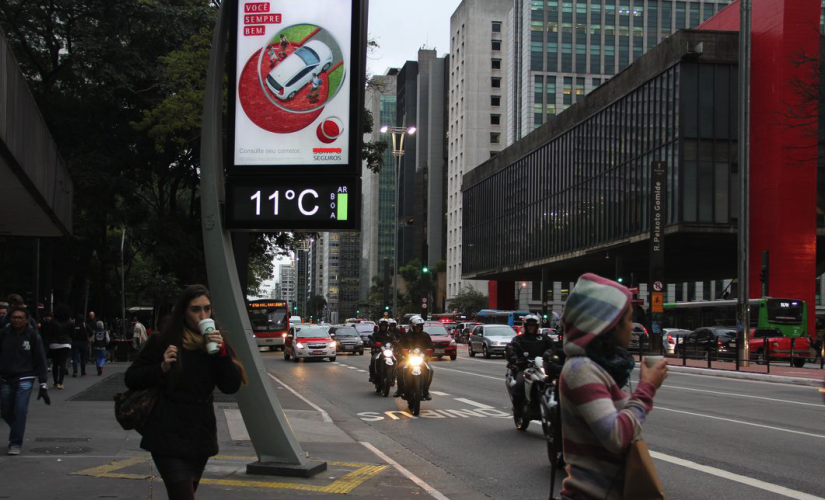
x,y
329,130
260,109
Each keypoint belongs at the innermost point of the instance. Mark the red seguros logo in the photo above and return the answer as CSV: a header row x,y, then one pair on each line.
x,y
328,132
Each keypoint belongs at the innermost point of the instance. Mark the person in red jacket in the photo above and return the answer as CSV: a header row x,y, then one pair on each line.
x,y
181,432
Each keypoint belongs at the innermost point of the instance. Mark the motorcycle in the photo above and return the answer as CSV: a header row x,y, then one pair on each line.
x,y
414,380
384,368
550,406
534,386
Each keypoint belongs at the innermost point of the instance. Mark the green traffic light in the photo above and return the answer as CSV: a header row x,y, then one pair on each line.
x,y
620,280
425,270
545,316
386,308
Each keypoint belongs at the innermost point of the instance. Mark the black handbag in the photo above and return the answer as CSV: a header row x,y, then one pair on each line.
x,y
132,408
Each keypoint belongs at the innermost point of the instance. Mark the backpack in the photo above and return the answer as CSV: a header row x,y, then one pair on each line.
x,y
99,339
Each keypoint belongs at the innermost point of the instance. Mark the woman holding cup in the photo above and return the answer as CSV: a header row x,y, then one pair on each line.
x,y
187,360
599,420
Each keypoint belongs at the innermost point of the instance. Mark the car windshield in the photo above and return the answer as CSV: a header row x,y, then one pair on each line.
x,y
725,333
436,330
312,332
345,332
499,332
308,55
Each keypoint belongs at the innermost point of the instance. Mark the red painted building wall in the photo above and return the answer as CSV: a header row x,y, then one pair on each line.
x,y
783,148
502,295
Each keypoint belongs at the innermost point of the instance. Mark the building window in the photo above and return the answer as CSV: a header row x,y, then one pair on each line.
x,y
496,27
496,63
495,100
495,82
495,119
495,137
496,44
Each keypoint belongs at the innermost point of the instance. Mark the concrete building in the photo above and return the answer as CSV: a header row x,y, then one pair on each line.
x,y
561,50
340,264
302,266
378,189
289,283
477,110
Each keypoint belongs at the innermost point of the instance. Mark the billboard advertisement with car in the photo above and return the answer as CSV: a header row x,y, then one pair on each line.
x,y
292,79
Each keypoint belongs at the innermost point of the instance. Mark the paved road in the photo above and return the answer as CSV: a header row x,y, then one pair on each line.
x,y
712,437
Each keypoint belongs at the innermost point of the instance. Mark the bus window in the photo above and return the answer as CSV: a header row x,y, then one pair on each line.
x,y
784,311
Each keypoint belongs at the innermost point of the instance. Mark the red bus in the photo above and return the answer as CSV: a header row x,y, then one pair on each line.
x,y
270,322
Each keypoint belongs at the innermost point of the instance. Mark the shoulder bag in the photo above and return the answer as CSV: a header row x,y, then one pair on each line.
x,y
132,408
641,482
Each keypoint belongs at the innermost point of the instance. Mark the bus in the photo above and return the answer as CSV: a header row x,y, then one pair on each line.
x,y
496,317
270,322
789,316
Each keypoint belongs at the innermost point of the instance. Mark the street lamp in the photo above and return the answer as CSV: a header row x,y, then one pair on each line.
x,y
398,134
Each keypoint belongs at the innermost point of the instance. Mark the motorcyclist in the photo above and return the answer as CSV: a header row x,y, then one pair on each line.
x,y
393,328
382,336
523,348
415,338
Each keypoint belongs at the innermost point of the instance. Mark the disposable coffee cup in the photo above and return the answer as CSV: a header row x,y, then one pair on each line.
x,y
652,361
207,326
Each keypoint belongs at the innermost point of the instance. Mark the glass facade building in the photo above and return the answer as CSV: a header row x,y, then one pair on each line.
x,y
571,47
585,184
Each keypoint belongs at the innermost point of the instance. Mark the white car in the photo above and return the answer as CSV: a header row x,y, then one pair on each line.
x,y
288,77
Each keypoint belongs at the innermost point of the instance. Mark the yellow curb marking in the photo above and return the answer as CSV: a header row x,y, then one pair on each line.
x,y
342,485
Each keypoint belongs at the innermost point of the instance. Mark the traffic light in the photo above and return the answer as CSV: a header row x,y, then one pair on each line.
x,y
358,311
545,317
425,269
386,308
620,279
295,308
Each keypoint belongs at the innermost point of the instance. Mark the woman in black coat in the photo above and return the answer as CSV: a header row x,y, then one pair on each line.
x,y
181,432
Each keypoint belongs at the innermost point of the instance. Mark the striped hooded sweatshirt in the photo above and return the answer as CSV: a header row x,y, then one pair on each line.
x,y
598,418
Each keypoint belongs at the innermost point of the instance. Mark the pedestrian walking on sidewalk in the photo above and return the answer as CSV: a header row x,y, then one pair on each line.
x,y
22,360
100,340
181,432
139,336
60,344
600,420
80,346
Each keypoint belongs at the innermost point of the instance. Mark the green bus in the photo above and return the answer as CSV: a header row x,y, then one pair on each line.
x,y
789,316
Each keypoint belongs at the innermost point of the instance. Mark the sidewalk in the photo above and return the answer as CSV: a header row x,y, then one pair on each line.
x,y
76,449
780,372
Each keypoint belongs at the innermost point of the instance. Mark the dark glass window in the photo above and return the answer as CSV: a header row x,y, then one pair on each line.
x,y
496,63
681,15
496,27
694,14
495,119
495,100
495,82
496,44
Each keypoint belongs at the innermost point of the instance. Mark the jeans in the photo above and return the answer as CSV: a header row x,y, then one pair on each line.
x,y
14,406
80,354
59,358
100,359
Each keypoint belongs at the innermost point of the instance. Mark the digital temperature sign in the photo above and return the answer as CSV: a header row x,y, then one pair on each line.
x,y
295,203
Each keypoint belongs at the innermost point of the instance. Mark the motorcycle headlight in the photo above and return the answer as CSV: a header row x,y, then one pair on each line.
x,y
388,353
299,345
416,360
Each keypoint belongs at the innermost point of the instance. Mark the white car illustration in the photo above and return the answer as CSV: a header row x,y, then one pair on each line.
x,y
287,78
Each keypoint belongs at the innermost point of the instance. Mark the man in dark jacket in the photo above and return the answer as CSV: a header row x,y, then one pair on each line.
x,y
22,359
80,345
530,345
416,338
382,336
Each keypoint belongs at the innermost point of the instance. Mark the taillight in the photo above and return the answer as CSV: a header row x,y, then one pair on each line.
x,y
719,342
645,330
669,336
378,344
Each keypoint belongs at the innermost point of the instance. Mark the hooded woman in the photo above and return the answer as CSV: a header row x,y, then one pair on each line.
x,y
599,420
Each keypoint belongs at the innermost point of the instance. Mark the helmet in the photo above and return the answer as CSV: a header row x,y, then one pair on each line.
x,y
416,321
531,319
393,322
383,321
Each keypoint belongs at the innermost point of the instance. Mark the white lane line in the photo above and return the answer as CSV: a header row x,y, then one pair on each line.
x,y
731,379
500,379
439,393
409,475
820,436
362,371
317,408
818,405
773,488
351,367
473,403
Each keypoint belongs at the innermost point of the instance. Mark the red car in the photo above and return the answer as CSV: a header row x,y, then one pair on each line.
x,y
443,342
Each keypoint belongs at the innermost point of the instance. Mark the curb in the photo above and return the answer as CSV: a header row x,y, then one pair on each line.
x,y
776,379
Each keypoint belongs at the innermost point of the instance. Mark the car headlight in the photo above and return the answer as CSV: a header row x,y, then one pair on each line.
x,y
332,345
452,342
360,342
416,360
299,345
283,335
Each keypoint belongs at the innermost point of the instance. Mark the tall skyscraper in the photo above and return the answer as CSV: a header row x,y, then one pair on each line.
x,y
558,51
289,282
302,265
477,109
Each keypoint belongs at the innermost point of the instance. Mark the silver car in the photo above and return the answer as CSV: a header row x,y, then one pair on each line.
x,y
489,340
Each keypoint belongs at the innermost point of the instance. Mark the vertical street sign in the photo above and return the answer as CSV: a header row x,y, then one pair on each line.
x,y
656,276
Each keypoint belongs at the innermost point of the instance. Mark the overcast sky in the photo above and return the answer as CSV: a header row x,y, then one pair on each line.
x,y
402,27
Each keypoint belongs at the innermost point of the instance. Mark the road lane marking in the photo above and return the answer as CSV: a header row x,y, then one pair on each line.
x,y
818,405
409,475
820,436
439,393
395,415
500,379
320,410
473,403
762,485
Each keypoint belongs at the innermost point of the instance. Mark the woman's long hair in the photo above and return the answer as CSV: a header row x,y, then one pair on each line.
x,y
175,323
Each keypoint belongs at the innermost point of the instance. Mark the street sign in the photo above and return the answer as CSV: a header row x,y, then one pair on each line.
x,y
423,305
544,304
658,302
658,286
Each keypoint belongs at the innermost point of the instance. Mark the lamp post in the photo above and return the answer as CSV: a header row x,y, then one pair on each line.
x,y
398,134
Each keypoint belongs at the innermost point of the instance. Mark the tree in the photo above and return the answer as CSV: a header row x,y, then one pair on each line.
x,y
469,301
317,306
420,284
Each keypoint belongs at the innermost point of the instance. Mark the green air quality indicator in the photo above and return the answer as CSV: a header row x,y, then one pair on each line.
x,y
342,205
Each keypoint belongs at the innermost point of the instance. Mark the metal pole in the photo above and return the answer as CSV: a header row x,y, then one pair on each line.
x,y
34,309
397,242
278,450
744,178
122,286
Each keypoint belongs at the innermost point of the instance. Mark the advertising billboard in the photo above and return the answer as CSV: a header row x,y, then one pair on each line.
x,y
295,76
